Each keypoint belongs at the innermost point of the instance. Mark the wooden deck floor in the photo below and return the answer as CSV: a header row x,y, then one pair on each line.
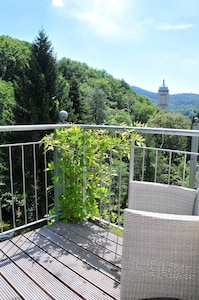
x,y
72,261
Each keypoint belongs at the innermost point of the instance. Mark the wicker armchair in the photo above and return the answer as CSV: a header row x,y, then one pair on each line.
x,y
160,258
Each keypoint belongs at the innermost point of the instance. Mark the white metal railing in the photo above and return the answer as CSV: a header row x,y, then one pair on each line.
x,y
139,153
25,189
149,130
22,202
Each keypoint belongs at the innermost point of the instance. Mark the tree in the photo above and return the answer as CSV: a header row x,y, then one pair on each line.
x,y
143,108
118,117
7,103
39,91
13,59
75,99
170,120
166,120
37,103
62,96
97,105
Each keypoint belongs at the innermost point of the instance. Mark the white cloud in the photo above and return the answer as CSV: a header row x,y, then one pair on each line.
x,y
175,27
107,18
58,3
99,23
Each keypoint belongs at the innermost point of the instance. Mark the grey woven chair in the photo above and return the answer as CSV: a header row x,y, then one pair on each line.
x,y
160,256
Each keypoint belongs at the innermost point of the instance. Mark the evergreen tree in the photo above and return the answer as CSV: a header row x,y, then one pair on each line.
x,y
39,92
97,105
38,104
75,98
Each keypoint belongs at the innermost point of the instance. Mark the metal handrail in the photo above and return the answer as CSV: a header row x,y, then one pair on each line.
x,y
166,131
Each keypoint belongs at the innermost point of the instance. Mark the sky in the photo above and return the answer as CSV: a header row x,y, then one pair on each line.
x,y
139,41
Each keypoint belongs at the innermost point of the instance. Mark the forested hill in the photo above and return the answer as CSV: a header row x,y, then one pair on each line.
x,y
185,103
35,86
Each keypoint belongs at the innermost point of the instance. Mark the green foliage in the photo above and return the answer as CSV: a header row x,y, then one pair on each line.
x,y
120,117
13,58
43,86
7,103
143,109
40,88
6,203
116,231
169,120
96,96
97,105
85,167
166,120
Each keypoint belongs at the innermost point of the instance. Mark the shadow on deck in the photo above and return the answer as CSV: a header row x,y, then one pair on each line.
x,y
61,261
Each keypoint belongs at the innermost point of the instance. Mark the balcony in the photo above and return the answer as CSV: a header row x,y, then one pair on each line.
x,y
41,257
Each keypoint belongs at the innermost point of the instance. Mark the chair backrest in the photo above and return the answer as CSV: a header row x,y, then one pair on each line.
x,y
162,198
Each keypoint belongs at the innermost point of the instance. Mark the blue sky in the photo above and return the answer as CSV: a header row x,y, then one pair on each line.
x,y
140,41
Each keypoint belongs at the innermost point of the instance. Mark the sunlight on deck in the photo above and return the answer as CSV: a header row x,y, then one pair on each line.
x,y
62,261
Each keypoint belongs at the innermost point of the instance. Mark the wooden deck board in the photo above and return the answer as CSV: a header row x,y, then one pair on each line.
x,y
7,291
18,279
72,261
102,247
101,232
89,260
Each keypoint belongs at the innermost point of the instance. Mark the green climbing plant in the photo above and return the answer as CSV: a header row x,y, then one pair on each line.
x,y
84,164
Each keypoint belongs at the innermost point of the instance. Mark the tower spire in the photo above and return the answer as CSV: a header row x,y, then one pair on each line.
x,y
163,96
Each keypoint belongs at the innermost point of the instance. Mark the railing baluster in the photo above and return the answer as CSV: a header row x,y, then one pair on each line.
x,y
101,206
184,169
131,163
169,171
46,182
24,183
84,179
12,187
1,218
35,182
197,169
143,163
57,189
110,185
156,165
120,186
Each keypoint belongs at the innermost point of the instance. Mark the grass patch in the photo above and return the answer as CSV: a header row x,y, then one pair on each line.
x,y
116,231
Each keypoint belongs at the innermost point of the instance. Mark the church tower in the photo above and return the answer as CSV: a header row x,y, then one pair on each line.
x,y
163,96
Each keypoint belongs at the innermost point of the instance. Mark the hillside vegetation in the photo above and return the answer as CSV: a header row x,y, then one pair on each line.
x,y
42,86
35,86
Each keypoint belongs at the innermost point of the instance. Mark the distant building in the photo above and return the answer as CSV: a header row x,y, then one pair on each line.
x,y
163,97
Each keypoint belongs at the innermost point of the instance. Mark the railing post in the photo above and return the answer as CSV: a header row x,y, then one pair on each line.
x,y
131,163
58,184
193,158
131,167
